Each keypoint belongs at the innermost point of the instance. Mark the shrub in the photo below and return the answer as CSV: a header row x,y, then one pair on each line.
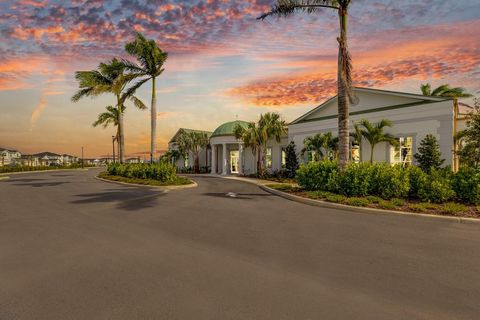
x,y
354,180
389,181
318,194
415,176
337,198
162,171
387,205
435,188
454,208
357,202
398,202
280,186
374,199
317,175
418,207
466,184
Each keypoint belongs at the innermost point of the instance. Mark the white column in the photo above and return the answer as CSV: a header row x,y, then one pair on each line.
x,y
214,159
240,158
224,160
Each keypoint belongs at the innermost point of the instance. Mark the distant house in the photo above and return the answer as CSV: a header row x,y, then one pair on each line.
x,y
49,159
133,160
29,160
68,159
9,157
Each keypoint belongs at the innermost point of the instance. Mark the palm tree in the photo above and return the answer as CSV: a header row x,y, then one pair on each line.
x,y
192,142
151,59
344,75
109,78
444,90
251,138
271,126
314,143
374,134
111,116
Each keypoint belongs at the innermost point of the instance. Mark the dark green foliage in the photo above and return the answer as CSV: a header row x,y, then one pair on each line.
x,y
291,160
355,180
415,175
429,155
162,171
436,188
317,175
470,138
389,181
466,184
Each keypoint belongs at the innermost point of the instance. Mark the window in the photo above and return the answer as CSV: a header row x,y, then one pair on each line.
x,y
268,158
284,157
402,153
355,153
311,156
186,161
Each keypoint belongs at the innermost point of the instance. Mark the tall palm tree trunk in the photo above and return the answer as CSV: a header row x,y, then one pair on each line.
x,y
372,146
343,82
153,134
121,133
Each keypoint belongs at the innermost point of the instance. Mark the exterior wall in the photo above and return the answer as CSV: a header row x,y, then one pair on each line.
x,y
416,121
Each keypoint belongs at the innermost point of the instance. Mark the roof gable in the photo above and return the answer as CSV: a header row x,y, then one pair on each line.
x,y
369,100
175,137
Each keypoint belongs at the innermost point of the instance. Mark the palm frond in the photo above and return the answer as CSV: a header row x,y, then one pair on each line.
x,y
285,8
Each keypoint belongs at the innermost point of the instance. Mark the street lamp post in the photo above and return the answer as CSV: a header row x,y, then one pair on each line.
x,y
82,157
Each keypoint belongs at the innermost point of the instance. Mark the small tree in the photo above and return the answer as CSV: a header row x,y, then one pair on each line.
x,y
192,143
429,155
470,137
291,160
374,134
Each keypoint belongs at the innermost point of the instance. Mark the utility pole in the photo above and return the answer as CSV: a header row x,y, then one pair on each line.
x,y
113,148
82,157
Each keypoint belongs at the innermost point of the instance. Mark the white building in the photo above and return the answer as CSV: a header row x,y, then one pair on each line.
x,y
413,117
49,159
8,157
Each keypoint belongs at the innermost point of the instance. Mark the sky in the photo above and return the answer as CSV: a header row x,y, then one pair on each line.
x,y
223,64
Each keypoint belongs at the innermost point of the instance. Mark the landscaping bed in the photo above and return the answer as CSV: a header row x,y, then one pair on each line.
x,y
178,181
156,174
396,204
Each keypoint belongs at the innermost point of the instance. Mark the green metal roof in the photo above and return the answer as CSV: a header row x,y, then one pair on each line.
x,y
227,128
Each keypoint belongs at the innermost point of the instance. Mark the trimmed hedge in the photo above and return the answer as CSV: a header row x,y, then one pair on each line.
x,y
162,171
387,182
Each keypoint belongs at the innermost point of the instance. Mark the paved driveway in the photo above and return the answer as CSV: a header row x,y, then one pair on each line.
x,y
72,247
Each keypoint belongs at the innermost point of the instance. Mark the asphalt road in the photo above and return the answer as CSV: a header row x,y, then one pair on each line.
x,y
72,247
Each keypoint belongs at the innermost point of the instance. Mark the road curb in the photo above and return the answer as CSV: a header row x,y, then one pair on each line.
x,y
40,171
325,204
164,188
